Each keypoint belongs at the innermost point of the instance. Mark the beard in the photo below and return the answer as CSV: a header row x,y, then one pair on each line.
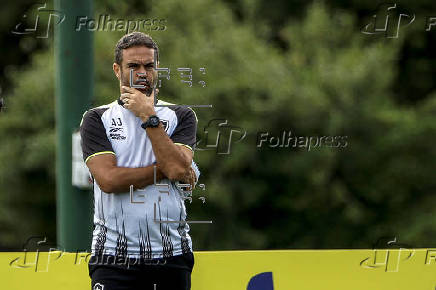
x,y
147,85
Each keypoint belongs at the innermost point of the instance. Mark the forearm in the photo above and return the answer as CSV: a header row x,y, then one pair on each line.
x,y
172,161
119,179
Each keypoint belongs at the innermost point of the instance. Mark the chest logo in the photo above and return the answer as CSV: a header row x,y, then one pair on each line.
x,y
116,130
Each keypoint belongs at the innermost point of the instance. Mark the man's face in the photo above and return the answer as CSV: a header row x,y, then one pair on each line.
x,y
141,60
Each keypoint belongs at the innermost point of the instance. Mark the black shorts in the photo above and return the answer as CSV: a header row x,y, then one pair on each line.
x,y
172,273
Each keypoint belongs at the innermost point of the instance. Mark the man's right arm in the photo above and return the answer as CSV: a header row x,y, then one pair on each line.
x,y
100,158
114,179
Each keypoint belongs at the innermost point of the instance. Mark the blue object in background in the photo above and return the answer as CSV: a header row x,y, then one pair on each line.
x,y
262,281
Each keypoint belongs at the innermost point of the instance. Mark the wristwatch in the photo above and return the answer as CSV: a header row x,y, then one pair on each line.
x,y
152,122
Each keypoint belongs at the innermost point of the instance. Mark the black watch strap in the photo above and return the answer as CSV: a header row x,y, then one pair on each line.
x,y
152,122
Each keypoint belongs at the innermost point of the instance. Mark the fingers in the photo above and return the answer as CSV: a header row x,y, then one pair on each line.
x,y
128,89
193,175
125,98
137,102
192,179
189,179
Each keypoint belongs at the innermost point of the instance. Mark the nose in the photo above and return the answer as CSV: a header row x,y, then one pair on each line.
x,y
141,71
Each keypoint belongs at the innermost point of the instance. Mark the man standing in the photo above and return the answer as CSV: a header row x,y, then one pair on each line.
x,y
140,239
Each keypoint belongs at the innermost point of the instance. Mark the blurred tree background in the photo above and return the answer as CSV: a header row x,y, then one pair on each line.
x,y
270,66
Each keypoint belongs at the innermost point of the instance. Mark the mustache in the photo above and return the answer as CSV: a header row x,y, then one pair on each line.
x,y
143,82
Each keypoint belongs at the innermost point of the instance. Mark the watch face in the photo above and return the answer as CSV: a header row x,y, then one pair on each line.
x,y
154,121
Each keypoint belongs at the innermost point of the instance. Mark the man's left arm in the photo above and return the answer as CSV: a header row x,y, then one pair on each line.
x,y
173,154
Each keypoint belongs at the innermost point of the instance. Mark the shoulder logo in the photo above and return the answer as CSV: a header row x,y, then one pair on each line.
x,y
165,124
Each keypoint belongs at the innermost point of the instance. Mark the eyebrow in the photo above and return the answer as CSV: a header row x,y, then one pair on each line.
x,y
138,63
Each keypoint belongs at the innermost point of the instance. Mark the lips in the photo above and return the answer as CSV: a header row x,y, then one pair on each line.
x,y
147,84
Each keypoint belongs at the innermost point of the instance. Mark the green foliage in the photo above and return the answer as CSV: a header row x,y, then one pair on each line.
x,y
330,81
27,153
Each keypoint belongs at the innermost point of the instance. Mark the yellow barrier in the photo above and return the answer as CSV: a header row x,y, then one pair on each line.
x,y
389,269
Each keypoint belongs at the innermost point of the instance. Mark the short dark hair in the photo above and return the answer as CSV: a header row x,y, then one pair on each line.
x,y
134,39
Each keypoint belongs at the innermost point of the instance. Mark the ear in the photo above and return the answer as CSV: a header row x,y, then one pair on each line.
x,y
116,68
